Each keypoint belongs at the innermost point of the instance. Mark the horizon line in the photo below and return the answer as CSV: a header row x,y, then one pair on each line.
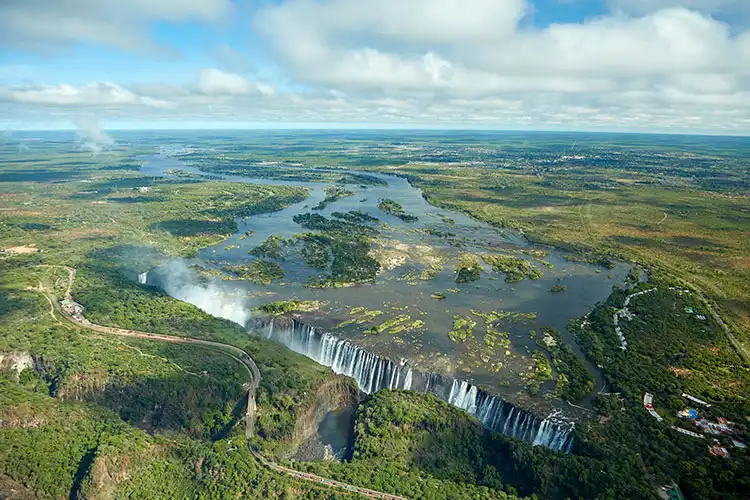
x,y
329,128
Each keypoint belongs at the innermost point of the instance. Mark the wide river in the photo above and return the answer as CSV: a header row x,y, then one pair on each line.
x,y
399,291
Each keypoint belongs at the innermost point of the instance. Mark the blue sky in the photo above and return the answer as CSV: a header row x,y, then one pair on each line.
x,y
624,65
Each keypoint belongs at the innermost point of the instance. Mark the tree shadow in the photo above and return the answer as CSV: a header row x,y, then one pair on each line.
x,y
194,227
38,175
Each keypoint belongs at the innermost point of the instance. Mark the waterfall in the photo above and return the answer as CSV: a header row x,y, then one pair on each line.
x,y
143,278
407,380
373,373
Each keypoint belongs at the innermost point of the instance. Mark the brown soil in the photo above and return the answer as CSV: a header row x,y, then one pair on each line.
x,y
22,249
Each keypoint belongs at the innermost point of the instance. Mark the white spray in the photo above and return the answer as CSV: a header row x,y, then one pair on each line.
x,y
90,135
181,283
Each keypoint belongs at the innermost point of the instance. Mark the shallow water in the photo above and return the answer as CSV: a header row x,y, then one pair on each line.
x,y
430,346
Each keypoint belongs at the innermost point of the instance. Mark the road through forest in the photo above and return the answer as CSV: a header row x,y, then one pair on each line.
x,y
69,310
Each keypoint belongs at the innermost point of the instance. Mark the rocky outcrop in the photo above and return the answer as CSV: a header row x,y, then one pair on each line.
x,y
82,386
16,362
106,474
13,490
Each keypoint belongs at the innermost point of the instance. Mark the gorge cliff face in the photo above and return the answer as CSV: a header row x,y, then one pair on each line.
x,y
337,393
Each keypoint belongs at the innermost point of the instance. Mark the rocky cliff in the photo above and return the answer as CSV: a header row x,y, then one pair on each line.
x,y
337,393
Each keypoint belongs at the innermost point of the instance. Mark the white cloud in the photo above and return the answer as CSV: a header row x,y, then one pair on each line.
x,y
423,62
666,63
49,25
339,48
213,81
94,94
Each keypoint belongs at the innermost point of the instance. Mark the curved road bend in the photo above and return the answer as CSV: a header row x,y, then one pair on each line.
x,y
69,312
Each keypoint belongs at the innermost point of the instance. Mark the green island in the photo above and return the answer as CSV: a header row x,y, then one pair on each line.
x,y
468,268
346,242
573,379
515,269
281,307
394,208
271,248
259,271
463,329
333,193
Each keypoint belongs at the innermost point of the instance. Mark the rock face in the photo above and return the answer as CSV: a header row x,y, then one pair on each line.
x,y
83,386
340,392
13,490
16,362
105,475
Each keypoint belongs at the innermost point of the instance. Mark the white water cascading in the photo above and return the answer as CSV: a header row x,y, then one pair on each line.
x,y
143,278
374,373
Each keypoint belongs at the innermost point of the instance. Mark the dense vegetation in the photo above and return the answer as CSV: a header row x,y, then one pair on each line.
x,y
515,269
286,306
259,271
346,240
573,379
394,208
271,248
59,449
333,193
72,413
671,350
420,447
72,406
468,269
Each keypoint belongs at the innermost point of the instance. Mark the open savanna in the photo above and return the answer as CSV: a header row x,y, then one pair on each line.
x,y
69,208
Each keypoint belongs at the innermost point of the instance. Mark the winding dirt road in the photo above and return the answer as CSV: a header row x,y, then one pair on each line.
x,y
73,312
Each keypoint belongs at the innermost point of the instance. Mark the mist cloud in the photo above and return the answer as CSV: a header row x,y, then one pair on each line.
x,y
90,135
182,283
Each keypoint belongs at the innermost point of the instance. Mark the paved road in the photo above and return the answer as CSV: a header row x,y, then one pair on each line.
x,y
73,312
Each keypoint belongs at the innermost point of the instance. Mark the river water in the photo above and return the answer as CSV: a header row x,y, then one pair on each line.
x,y
397,291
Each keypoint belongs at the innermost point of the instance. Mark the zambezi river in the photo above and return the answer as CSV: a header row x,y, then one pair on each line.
x,y
424,358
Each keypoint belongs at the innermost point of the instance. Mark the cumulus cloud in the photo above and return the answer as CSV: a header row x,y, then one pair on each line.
x,y
670,66
638,63
94,94
662,43
717,7
216,82
48,25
